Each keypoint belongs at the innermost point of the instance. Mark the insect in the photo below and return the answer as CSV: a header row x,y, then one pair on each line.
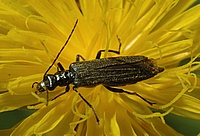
x,y
109,72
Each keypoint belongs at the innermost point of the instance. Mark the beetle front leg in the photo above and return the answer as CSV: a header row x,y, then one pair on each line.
x,y
66,90
60,67
118,90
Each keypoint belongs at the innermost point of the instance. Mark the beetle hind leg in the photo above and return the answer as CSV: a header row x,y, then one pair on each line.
x,y
118,90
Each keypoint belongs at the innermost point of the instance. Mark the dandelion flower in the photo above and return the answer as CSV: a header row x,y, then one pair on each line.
x,y
33,32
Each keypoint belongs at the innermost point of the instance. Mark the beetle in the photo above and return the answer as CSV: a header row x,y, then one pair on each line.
x,y
109,72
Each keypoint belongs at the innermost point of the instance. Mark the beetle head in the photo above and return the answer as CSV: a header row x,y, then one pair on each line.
x,y
40,86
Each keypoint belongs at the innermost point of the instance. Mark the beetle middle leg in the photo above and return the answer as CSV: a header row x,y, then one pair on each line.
x,y
118,90
78,56
95,114
113,51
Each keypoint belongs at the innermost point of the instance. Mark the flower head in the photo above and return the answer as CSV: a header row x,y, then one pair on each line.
x,y
33,32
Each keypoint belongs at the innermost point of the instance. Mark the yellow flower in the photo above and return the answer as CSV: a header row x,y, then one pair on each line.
x,y
34,31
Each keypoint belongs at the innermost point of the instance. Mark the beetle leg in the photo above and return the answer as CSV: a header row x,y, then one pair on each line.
x,y
60,67
66,90
118,90
78,56
113,51
95,114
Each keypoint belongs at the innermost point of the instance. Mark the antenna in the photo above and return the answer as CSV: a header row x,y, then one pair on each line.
x,y
61,48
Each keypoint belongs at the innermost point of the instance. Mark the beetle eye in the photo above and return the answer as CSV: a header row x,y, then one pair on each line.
x,y
40,88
